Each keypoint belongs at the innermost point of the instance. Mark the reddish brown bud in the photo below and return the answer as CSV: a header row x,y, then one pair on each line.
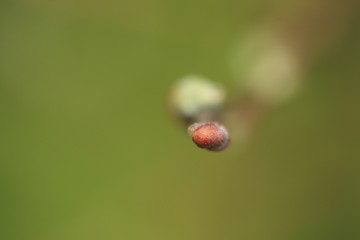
x,y
212,136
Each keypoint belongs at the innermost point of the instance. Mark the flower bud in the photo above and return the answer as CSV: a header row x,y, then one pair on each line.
x,y
196,98
212,135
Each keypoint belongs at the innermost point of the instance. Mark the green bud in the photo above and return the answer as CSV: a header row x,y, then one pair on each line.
x,y
197,98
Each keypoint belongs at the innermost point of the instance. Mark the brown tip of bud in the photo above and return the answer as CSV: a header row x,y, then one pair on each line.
x,y
212,136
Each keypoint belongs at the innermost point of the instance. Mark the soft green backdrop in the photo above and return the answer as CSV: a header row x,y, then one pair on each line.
x,y
87,150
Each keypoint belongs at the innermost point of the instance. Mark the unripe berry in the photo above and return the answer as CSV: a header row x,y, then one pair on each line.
x,y
212,135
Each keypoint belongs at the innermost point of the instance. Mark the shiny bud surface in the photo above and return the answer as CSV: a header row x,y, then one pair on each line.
x,y
211,135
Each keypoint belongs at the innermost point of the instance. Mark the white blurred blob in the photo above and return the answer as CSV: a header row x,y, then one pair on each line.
x,y
266,66
197,98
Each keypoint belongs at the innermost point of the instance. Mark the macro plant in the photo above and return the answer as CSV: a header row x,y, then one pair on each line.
x,y
267,66
267,70
198,102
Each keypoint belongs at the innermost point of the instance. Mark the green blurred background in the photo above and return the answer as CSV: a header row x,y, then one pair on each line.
x,y
88,151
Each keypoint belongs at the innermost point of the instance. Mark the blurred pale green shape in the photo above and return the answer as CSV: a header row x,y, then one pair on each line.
x,y
266,66
195,97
